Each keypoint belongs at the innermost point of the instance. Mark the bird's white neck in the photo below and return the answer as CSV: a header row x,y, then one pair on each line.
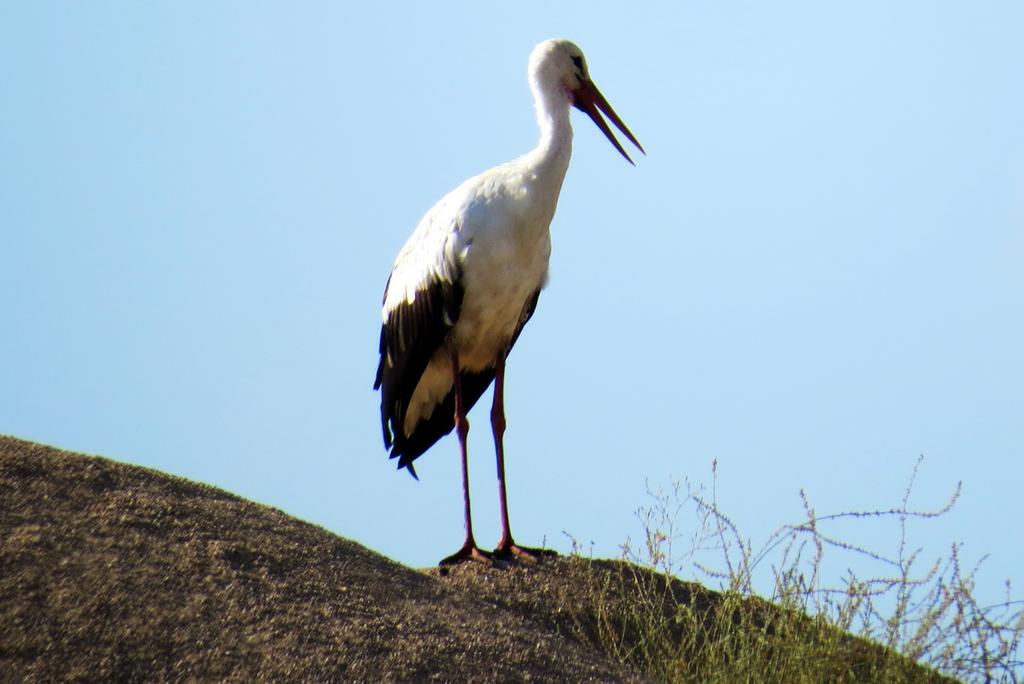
x,y
551,156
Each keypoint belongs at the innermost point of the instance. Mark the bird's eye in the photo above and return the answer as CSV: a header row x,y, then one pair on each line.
x,y
578,61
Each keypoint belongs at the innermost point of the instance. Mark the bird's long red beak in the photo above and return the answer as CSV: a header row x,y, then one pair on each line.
x,y
587,98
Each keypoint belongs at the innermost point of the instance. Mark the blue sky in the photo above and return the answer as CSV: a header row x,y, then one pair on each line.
x,y
813,277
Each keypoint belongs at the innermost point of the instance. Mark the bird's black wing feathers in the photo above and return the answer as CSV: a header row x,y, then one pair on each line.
x,y
397,378
408,339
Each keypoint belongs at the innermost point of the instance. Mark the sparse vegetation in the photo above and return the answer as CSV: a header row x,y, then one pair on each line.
x,y
882,628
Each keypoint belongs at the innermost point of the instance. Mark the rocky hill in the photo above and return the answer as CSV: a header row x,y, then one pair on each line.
x,y
112,572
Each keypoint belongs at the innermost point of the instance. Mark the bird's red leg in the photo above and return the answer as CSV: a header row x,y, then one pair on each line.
x,y
507,546
469,550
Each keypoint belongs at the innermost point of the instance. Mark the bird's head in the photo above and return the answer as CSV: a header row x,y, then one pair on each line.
x,y
559,66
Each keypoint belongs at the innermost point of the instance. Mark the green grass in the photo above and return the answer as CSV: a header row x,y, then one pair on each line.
x,y
908,623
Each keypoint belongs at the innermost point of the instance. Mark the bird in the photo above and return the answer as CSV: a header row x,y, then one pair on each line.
x,y
469,278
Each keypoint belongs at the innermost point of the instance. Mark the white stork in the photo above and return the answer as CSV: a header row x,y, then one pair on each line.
x,y
468,280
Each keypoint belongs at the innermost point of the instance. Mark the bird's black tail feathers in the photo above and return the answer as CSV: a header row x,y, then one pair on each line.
x,y
408,448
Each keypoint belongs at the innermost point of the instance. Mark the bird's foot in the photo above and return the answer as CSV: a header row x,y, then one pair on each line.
x,y
469,552
508,550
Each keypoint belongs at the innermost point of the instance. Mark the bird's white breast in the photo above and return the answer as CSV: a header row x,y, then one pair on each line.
x,y
493,231
509,246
